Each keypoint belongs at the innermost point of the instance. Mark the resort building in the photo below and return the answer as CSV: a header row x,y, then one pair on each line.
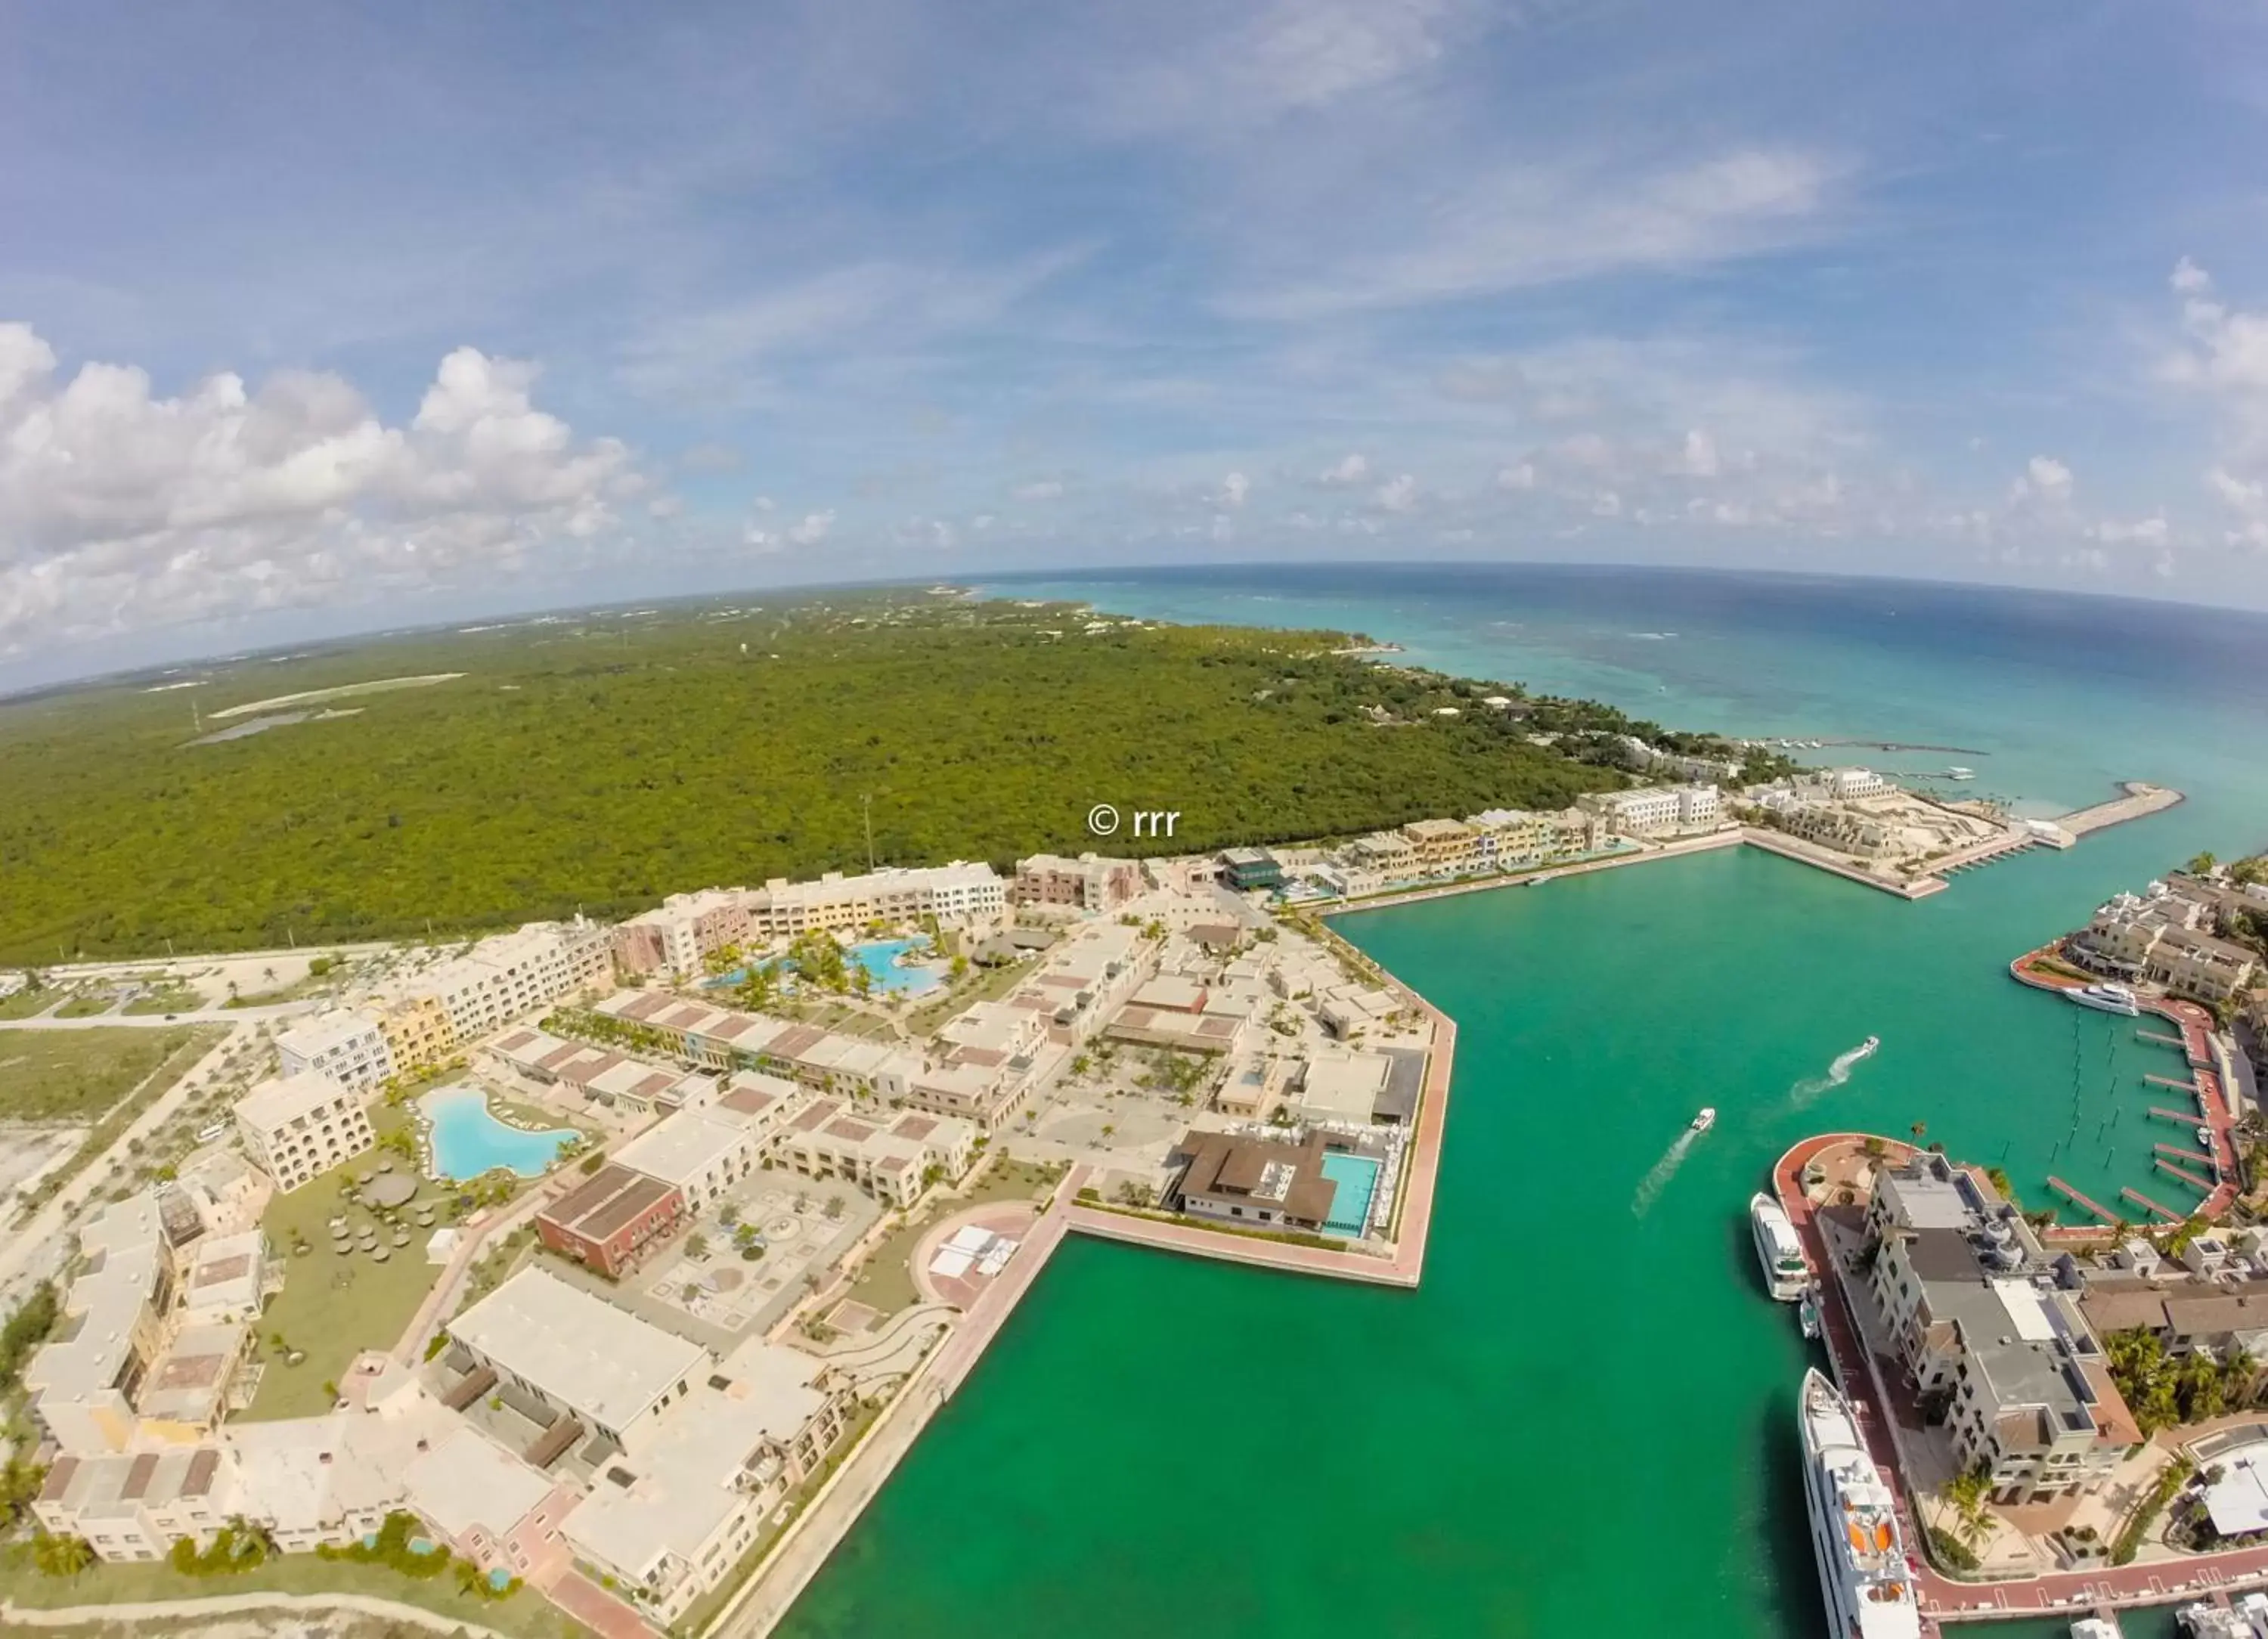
x,y
1089,883
511,974
227,1278
1341,1084
332,1478
296,1128
701,1153
85,1383
894,1162
1444,847
489,1506
416,1028
679,937
1997,1350
669,1519
1244,869
1651,810
613,1220
135,1508
958,893
1386,856
349,1045
599,1074
1260,1181
1180,1013
1845,830
1085,980
725,1039
1514,837
226,1192
2200,967
583,1358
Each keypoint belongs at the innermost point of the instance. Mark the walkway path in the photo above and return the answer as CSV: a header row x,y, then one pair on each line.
x,y
166,1021
815,1533
440,1300
1943,1599
233,1604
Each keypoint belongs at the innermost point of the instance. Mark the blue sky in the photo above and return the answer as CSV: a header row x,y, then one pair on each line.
x,y
320,319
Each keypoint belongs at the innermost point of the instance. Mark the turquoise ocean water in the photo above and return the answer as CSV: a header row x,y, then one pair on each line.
x,y
1581,1424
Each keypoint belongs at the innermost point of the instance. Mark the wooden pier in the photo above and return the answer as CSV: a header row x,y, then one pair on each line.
x,y
2174,1154
2203,1185
2079,1200
2189,1087
2160,1038
2187,1118
2149,1205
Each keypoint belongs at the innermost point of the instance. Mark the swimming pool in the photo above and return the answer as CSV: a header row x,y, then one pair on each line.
x,y
1354,1180
879,958
468,1140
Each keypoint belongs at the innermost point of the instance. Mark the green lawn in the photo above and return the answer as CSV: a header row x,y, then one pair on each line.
x,y
981,984
80,1075
525,1613
28,1003
334,1305
886,1282
89,1005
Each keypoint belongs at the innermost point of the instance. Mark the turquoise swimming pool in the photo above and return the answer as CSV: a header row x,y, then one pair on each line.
x,y
880,958
467,1140
1354,1180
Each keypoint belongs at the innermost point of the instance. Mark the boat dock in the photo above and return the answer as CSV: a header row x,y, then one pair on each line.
x,y
2189,1087
2081,1201
2172,1153
2182,1117
2149,1205
2160,1038
2203,1185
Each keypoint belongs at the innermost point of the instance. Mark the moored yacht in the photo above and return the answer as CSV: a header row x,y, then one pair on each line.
x,y
1863,1574
1778,1250
1956,772
2096,1628
2106,997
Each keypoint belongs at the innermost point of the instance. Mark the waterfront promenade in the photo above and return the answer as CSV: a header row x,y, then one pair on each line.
x,y
1874,1388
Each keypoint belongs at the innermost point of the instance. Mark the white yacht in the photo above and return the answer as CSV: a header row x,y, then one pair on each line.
x,y
1778,1250
1704,1122
2106,997
2096,1628
1956,772
1863,1574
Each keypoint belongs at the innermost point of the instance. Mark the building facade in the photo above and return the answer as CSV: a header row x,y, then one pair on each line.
x,y
296,1128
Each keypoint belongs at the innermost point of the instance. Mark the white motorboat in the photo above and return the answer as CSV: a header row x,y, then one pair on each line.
x,y
1704,1122
1807,1315
1787,1277
1855,1537
2106,997
2096,1628
1957,772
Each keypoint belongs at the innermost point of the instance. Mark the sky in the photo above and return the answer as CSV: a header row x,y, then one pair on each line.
x,y
324,319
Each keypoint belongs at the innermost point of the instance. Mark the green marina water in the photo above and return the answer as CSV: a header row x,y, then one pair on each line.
x,y
1582,1422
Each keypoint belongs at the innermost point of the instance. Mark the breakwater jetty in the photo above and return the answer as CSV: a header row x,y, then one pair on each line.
x,y
2141,799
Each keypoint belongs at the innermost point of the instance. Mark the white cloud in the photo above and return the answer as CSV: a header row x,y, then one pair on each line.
x,y
1525,223
2222,362
1042,490
1699,457
122,510
1521,476
1398,494
1350,469
2189,279
808,530
2044,480
1234,488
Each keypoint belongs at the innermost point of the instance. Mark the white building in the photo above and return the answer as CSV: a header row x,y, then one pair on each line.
x,y
580,1354
670,1519
704,1152
959,892
891,1162
346,1044
679,937
296,1127
501,978
83,1383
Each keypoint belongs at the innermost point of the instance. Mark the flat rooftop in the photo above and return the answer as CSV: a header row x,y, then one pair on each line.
x,y
608,1366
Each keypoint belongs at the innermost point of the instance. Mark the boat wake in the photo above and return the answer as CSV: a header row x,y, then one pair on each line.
x,y
1811,1089
1650,1187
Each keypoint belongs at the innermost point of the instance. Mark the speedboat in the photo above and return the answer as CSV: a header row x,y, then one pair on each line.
x,y
2096,1628
1704,1122
1807,1313
1957,772
1787,1277
1870,1044
2106,997
2204,1139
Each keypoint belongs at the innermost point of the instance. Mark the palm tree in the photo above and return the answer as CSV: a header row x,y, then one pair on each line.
x,y
62,1556
1967,1494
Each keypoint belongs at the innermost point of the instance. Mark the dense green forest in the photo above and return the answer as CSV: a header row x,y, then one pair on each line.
x,y
602,761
